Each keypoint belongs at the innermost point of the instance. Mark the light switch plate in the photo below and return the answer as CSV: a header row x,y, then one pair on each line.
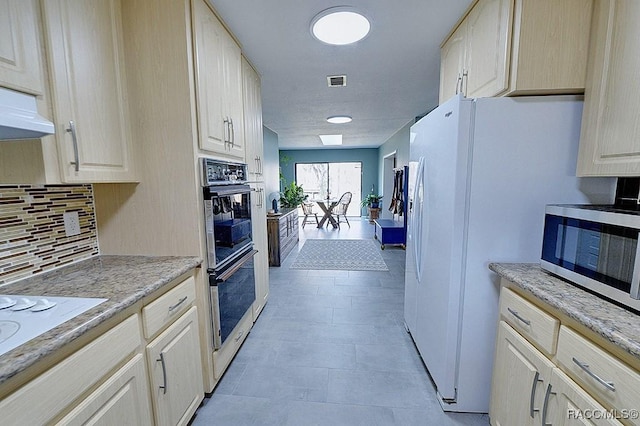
x,y
71,224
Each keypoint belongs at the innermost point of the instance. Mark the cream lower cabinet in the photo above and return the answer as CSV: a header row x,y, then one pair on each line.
x,y
521,374
122,399
176,371
579,384
42,399
218,85
567,404
89,90
610,136
516,47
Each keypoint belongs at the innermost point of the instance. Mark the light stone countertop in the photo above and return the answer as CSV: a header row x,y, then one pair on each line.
x,y
123,280
619,326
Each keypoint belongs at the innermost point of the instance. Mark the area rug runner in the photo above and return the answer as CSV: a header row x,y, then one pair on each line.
x,y
353,255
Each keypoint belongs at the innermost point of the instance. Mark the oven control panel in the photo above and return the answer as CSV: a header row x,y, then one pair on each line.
x,y
217,172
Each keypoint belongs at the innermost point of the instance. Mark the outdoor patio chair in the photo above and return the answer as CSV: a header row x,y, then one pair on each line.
x,y
341,208
307,209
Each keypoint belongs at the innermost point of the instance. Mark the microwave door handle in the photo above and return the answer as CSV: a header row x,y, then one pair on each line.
x,y
635,279
229,272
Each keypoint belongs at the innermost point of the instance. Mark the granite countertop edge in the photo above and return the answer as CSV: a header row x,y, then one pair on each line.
x,y
122,280
617,325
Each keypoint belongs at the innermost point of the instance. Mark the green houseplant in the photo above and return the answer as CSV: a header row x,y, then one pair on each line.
x,y
371,200
292,196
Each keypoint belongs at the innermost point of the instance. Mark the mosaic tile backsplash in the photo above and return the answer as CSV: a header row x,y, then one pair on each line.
x,y
32,235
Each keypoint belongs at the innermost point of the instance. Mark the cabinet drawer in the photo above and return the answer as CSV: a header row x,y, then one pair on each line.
x,y
168,307
35,403
613,383
533,323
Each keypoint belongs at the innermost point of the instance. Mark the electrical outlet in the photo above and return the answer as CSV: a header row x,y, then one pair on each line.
x,y
71,224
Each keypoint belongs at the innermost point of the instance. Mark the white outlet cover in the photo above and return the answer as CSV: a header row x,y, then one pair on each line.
x,y
71,223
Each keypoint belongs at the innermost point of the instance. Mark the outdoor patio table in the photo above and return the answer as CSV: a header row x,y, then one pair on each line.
x,y
327,207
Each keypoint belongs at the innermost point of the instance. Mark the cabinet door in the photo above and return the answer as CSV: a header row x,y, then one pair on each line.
x,y
520,375
218,85
252,102
549,46
260,260
85,49
609,141
567,404
487,48
122,399
176,371
452,63
20,67
208,36
232,63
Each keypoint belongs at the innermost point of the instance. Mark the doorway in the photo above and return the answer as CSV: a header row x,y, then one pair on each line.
x,y
330,180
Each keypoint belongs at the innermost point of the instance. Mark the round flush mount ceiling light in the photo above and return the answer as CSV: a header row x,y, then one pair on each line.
x,y
339,119
340,25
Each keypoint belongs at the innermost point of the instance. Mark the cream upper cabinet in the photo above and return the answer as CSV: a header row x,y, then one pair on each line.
x,y
218,85
252,102
486,67
517,47
85,50
452,63
521,374
20,65
610,138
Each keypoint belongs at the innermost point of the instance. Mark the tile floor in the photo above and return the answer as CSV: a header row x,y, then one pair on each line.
x,y
330,348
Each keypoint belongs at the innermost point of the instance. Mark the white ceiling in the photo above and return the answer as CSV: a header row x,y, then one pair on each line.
x,y
392,75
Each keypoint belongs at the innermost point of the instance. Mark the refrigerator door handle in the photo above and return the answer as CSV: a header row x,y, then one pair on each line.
x,y
418,206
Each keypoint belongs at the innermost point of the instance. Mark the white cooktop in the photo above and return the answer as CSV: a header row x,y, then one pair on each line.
x,y
23,318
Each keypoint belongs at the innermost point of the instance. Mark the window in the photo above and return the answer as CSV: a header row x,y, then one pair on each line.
x,y
320,180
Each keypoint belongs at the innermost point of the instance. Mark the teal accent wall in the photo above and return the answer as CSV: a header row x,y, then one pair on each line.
x,y
368,157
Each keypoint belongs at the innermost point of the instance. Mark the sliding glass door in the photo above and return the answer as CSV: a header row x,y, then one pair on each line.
x,y
322,180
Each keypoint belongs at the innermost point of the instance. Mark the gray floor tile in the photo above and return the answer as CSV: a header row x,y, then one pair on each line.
x,y
330,348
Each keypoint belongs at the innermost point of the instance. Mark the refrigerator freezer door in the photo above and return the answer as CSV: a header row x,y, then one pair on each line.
x,y
444,139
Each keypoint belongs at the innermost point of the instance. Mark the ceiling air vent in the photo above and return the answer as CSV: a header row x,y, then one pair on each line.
x,y
337,80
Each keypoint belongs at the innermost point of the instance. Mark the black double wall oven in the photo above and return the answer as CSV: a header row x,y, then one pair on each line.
x,y
230,250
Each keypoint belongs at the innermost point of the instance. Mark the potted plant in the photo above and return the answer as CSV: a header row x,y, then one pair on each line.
x,y
292,196
372,201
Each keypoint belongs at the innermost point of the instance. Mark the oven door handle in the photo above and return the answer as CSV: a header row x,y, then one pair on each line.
x,y
229,272
225,191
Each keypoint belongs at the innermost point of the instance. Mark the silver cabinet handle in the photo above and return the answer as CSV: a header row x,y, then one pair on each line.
x,y
517,315
459,84
546,405
232,133
164,374
260,165
74,138
585,367
534,385
240,334
227,131
180,302
463,88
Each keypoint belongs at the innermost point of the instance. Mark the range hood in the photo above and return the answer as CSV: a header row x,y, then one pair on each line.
x,y
19,118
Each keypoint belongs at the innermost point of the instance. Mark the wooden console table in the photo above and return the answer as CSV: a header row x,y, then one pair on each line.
x,y
282,235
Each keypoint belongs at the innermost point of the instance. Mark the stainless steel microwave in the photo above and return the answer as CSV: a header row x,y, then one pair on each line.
x,y
595,247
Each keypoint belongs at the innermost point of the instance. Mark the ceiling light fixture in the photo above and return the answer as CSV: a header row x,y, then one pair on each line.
x,y
339,119
331,139
340,25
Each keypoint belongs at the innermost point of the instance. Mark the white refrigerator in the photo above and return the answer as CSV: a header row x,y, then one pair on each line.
x,y
482,171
